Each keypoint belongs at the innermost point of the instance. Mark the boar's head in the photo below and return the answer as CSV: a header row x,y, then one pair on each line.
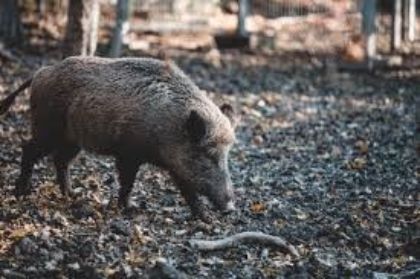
x,y
201,161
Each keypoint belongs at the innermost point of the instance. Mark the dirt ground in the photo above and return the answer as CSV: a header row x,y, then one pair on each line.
x,y
324,159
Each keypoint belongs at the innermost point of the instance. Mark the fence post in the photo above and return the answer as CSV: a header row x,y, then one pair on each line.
x,y
396,25
120,29
411,20
369,13
243,13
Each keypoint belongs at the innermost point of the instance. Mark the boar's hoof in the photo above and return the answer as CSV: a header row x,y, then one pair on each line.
x,y
126,207
22,188
123,203
129,211
203,216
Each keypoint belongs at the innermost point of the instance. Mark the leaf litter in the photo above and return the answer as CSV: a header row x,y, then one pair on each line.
x,y
326,162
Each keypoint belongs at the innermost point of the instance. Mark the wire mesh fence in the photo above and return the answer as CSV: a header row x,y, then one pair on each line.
x,y
273,23
268,8
291,25
284,8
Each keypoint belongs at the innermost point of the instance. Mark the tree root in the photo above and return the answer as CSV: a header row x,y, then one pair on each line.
x,y
245,237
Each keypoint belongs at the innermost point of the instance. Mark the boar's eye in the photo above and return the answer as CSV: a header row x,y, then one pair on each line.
x,y
196,126
228,110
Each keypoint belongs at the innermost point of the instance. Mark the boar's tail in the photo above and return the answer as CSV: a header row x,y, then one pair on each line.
x,y
6,103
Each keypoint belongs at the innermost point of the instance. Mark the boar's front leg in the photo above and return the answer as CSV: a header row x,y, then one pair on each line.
x,y
192,199
31,153
127,170
62,159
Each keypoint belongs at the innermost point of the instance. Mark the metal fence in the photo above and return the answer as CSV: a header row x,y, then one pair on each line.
x,y
316,25
269,8
284,8
173,9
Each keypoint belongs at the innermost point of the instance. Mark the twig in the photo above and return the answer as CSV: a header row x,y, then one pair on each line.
x,y
244,237
405,274
7,55
13,274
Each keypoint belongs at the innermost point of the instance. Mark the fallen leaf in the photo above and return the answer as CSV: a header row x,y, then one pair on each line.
x,y
362,146
357,164
258,207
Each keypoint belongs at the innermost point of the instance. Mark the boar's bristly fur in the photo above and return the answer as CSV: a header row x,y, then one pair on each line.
x,y
138,110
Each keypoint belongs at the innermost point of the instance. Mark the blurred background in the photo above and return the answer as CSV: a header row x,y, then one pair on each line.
x,y
338,28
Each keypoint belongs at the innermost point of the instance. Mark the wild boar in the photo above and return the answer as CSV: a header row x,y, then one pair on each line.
x,y
138,110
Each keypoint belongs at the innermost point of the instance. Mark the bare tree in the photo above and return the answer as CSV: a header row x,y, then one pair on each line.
x,y
10,23
82,28
121,28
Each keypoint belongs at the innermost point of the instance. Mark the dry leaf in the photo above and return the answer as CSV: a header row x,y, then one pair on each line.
x,y
362,146
301,215
140,236
109,271
258,207
133,258
357,164
21,232
258,140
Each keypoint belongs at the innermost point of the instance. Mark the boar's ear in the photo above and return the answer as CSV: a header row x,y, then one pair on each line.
x,y
196,126
228,110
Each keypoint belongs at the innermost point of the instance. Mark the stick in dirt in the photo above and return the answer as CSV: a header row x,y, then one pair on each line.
x,y
244,237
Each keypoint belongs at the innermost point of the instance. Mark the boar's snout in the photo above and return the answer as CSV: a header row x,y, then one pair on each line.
x,y
230,207
223,199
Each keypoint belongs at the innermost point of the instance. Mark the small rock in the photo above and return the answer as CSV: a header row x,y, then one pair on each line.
x,y
128,271
326,259
51,265
264,254
258,140
82,210
180,232
74,266
45,234
60,219
120,226
26,246
169,221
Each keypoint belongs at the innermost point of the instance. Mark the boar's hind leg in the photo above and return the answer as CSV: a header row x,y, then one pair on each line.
x,y
127,170
62,159
31,153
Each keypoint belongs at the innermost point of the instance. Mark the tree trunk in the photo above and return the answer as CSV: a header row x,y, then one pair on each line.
x,y
82,28
121,28
10,23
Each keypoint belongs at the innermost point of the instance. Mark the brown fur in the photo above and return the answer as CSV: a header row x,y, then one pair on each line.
x,y
138,110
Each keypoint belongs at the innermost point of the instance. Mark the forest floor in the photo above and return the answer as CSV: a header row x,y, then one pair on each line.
x,y
324,159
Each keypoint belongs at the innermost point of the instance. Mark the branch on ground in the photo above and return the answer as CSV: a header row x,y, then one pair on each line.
x,y
245,237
